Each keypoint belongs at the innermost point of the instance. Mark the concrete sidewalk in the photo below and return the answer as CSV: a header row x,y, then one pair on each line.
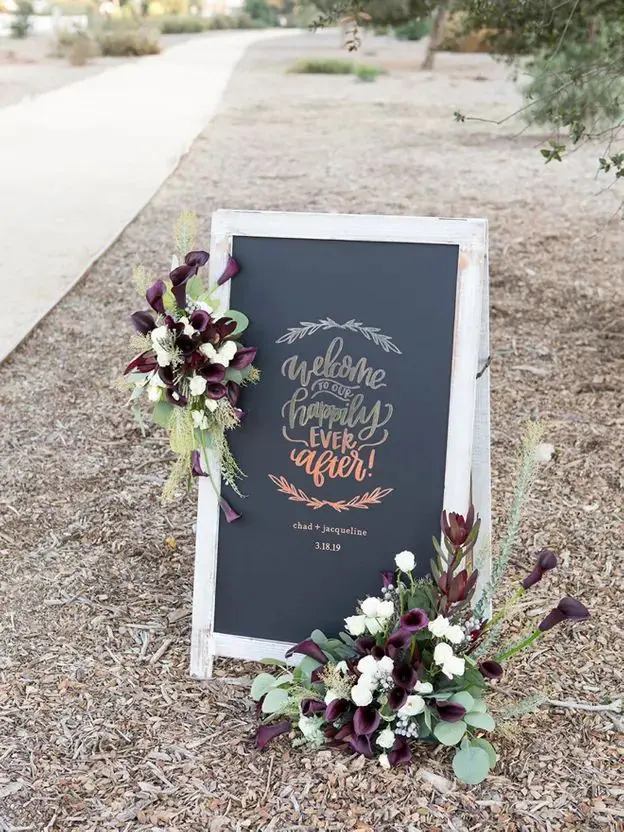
x,y
78,164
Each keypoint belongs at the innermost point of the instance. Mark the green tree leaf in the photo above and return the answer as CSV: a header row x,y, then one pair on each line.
x,y
275,700
471,765
483,721
450,733
262,684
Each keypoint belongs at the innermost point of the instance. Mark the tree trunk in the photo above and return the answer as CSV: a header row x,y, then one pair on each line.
x,y
437,32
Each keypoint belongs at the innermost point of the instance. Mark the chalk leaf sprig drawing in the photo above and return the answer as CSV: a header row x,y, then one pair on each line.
x,y
371,333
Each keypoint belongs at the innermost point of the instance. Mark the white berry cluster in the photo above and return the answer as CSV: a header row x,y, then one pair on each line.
x,y
406,726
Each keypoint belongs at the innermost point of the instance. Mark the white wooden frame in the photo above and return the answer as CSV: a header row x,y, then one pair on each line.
x,y
468,443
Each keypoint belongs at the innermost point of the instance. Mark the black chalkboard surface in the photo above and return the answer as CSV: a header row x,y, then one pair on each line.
x,y
344,441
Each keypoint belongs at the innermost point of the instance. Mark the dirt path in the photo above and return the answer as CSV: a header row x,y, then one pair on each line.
x,y
97,575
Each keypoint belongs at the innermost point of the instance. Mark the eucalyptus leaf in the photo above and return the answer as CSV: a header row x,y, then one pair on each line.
x,y
450,733
274,662
242,321
162,413
483,721
235,375
307,666
262,684
427,718
318,637
478,707
488,748
194,287
463,698
443,695
471,765
274,701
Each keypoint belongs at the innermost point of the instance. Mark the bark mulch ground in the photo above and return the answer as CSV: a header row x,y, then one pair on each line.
x,y
100,725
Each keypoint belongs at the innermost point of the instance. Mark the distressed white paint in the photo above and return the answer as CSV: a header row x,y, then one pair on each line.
x,y
468,443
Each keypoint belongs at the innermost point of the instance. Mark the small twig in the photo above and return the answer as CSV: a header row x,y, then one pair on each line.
x,y
488,361
614,707
161,650
268,785
240,681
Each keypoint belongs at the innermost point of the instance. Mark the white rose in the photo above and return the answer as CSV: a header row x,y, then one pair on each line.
x,y
188,329
439,626
385,665
451,664
197,385
385,609
414,704
405,561
226,353
384,762
385,738
211,405
209,351
154,392
159,334
423,687
200,420
355,624
163,358
455,634
370,606
373,626
361,694
367,666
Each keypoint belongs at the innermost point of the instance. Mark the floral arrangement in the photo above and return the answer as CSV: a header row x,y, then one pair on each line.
x,y
191,364
416,661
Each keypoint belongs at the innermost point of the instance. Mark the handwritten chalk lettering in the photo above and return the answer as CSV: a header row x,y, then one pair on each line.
x,y
331,366
299,414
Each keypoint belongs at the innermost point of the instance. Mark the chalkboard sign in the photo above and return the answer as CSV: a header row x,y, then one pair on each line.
x,y
366,422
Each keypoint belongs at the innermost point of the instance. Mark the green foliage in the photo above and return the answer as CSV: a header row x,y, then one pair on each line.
x,y
471,764
580,87
20,25
413,29
322,66
182,25
364,72
262,11
129,42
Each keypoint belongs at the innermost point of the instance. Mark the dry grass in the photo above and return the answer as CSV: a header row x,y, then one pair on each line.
x,y
100,726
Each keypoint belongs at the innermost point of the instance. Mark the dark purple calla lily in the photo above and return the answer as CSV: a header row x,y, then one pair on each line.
x,y
224,327
179,278
196,466
568,609
387,579
154,296
405,676
233,392
196,259
400,754
215,390
166,375
228,512
200,319
400,640
361,745
231,270
366,720
414,620
364,644
173,396
378,652
457,527
343,734
490,669
239,413
309,707
316,675
144,363
185,344
143,322
213,373
546,560
397,698
450,711
335,709
243,358
308,647
268,732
